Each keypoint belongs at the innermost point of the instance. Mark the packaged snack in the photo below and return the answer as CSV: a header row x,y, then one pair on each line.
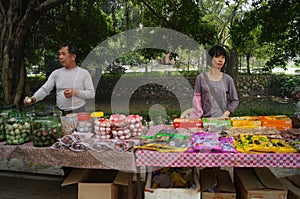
x,y
100,146
179,141
187,123
102,128
281,146
145,139
134,123
205,142
246,122
79,146
254,144
216,124
296,145
119,127
163,137
280,122
227,145
160,148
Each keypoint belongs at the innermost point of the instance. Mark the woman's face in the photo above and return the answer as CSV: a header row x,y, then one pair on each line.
x,y
218,61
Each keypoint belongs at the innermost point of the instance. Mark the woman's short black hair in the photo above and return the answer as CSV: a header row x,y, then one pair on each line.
x,y
216,51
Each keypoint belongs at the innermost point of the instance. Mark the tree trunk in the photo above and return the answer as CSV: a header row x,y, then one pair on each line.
x,y
232,64
113,14
127,15
248,63
16,19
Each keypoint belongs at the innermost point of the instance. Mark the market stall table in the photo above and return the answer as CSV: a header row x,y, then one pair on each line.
x,y
147,158
62,157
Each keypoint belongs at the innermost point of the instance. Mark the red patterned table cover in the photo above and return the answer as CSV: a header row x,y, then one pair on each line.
x,y
159,159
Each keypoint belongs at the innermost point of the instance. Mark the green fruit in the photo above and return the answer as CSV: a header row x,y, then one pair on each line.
x,y
21,141
15,142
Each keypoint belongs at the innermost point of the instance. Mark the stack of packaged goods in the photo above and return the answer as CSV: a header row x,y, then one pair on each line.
x,y
280,122
119,127
102,128
246,122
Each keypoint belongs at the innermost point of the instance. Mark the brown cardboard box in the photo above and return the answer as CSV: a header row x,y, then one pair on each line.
x,y
216,184
172,193
292,183
260,183
95,183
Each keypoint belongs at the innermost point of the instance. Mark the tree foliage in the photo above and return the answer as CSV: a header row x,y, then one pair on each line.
x,y
30,31
16,19
180,15
275,24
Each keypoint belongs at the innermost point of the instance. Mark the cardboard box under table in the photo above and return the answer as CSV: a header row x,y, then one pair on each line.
x,y
258,183
172,193
216,184
292,183
95,183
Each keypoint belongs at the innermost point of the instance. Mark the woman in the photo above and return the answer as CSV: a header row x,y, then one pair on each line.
x,y
214,92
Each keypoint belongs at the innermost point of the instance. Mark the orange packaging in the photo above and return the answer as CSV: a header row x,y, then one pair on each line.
x,y
280,122
187,123
246,122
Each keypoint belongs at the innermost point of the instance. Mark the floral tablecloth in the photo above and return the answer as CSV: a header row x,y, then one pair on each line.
x,y
124,161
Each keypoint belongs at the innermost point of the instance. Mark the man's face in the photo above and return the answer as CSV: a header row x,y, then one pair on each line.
x,y
65,58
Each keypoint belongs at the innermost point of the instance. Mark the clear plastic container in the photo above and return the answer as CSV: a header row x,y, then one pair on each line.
x,y
29,111
46,129
296,120
97,115
5,110
84,123
17,128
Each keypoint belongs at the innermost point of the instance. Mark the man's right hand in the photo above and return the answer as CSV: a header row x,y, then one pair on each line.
x,y
29,101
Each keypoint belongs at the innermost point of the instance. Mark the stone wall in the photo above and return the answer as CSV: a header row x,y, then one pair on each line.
x,y
170,87
254,85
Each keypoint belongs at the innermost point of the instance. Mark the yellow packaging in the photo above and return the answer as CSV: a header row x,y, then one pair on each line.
x,y
282,147
246,122
254,144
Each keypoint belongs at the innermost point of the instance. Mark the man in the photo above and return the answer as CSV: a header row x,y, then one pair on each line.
x,y
73,84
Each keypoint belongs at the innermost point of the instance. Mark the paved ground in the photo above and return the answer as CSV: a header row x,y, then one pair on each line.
x,y
16,185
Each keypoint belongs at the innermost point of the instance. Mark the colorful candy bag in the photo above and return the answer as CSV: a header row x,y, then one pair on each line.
x,y
205,142
281,146
227,145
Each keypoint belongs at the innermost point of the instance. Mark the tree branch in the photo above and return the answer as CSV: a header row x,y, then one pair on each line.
x,y
156,14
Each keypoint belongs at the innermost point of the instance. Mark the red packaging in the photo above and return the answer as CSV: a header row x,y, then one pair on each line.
x,y
187,123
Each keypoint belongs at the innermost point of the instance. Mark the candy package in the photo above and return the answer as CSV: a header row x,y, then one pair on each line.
x,y
280,146
205,142
102,128
227,145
